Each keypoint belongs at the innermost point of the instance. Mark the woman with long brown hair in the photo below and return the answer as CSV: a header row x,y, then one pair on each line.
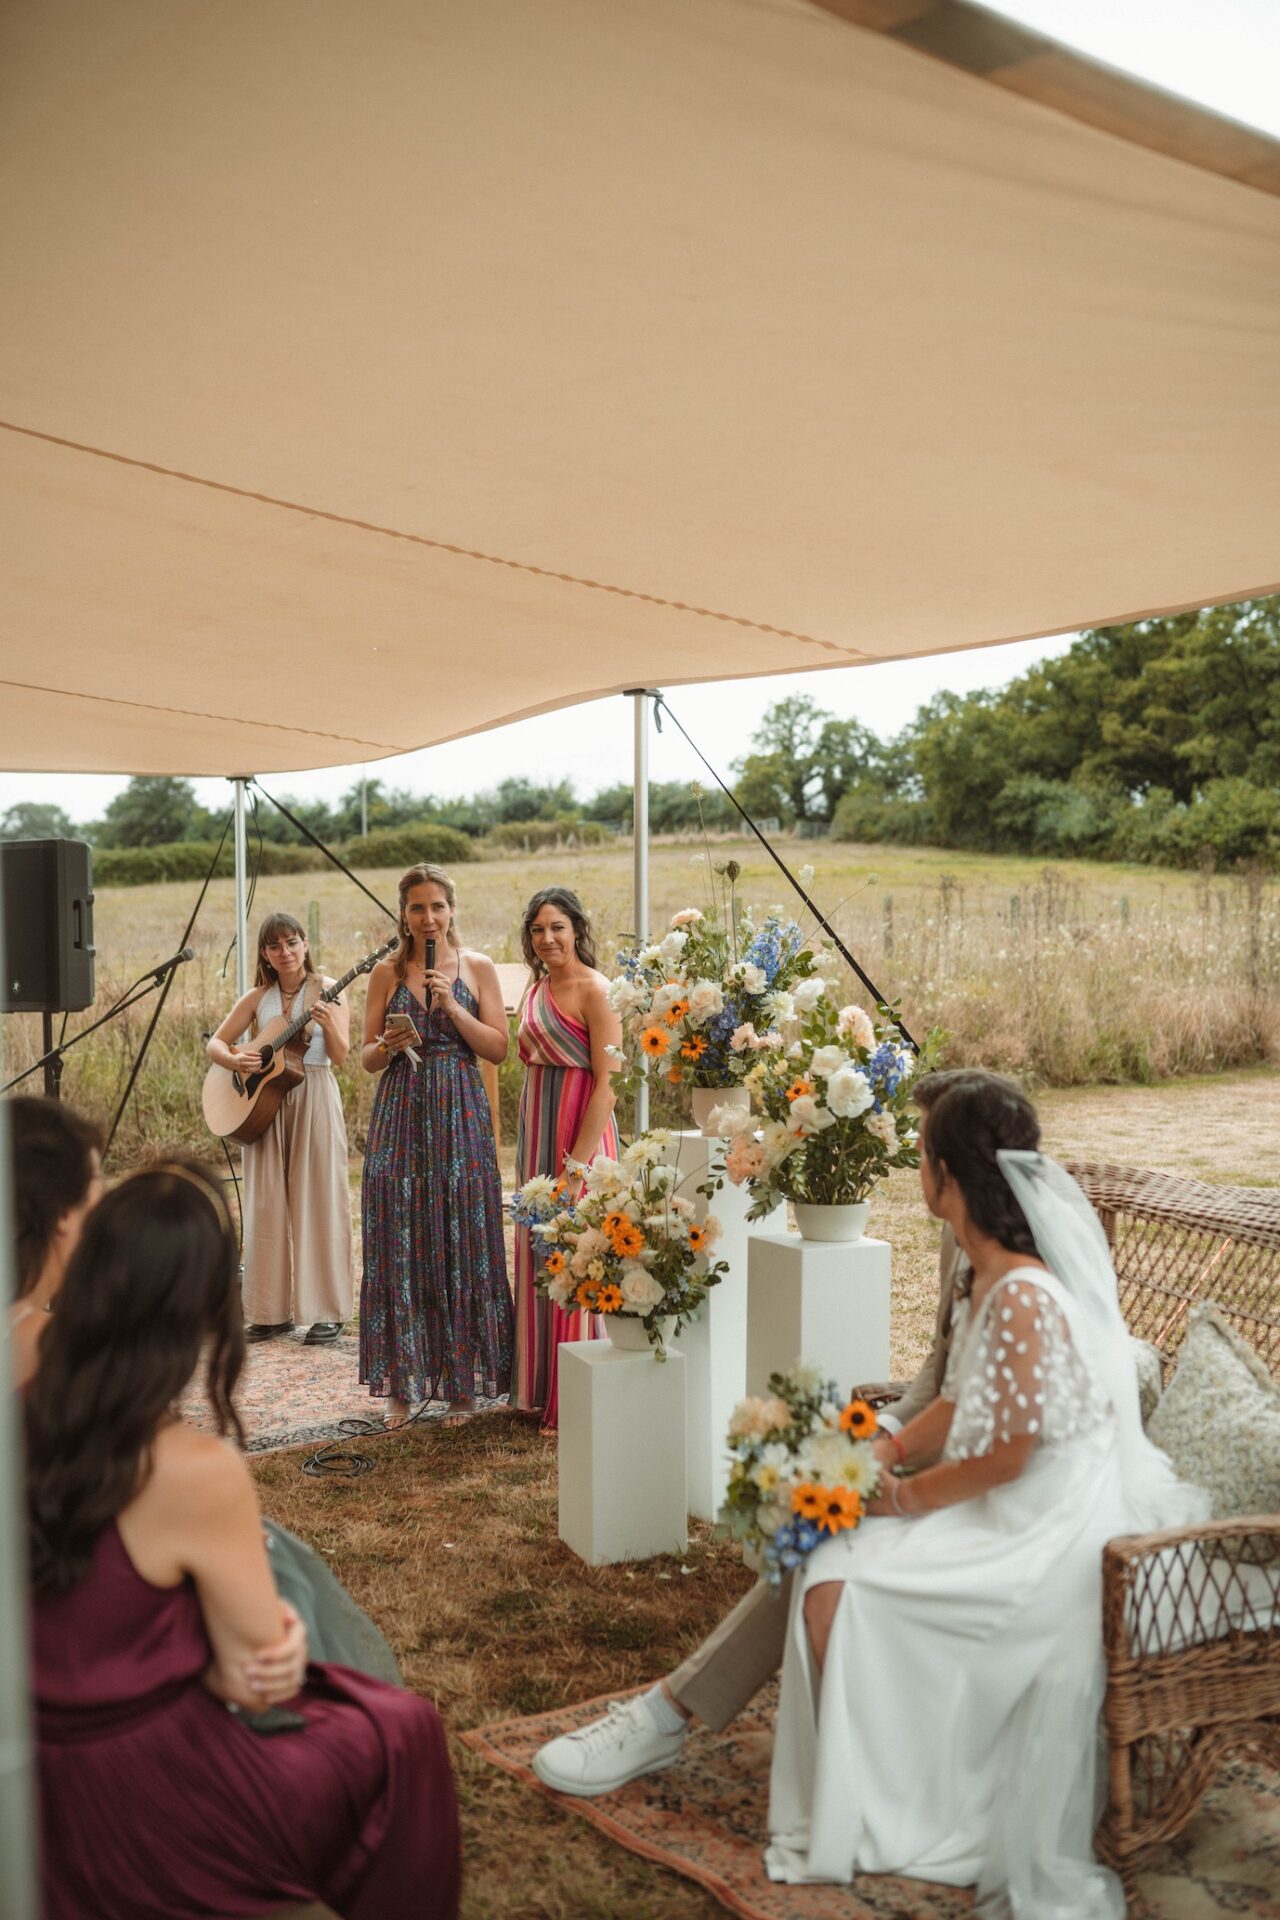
x,y
155,1613
55,1160
297,1204
435,1303
566,1114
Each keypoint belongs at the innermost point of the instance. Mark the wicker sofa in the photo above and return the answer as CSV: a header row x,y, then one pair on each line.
x,y
1191,1628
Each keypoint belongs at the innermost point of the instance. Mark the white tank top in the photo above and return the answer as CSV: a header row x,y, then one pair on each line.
x,y
271,1007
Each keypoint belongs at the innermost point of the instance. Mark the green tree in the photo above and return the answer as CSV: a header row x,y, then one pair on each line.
x,y
36,820
804,761
153,811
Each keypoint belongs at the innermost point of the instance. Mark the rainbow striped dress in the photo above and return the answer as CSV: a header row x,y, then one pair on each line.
x,y
556,1051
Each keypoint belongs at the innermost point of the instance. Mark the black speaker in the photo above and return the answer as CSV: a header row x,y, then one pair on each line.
x,y
46,911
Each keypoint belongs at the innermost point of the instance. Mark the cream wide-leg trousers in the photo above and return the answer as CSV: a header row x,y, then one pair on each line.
x,y
297,1210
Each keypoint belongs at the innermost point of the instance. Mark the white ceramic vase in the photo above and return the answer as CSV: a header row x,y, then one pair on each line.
x,y
707,1099
629,1333
832,1223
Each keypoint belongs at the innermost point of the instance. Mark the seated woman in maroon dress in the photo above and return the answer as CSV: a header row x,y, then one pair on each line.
x,y
159,1635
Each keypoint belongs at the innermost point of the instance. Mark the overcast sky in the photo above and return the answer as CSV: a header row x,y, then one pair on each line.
x,y
1223,53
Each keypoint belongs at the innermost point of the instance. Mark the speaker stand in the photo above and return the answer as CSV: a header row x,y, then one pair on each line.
x,y
52,1058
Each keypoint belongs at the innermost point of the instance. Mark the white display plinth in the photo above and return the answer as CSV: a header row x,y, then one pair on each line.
x,y
715,1344
823,1302
621,1452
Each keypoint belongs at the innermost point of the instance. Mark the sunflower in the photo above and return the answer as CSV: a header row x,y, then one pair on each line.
x,y
588,1295
614,1223
798,1088
609,1298
676,1012
697,1239
675,1076
628,1240
555,1262
807,1500
694,1047
654,1041
838,1508
858,1420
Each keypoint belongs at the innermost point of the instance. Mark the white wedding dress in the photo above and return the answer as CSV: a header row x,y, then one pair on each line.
x,y
952,1734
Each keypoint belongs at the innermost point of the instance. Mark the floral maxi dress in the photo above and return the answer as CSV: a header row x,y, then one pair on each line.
x,y
435,1303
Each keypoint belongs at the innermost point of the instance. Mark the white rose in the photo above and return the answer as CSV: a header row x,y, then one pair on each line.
x,y
882,1126
743,1037
808,993
640,1290
665,998
807,1117
776,1142
673,945
705,999
752,979
728,1122
849,1093
828,1060
624,995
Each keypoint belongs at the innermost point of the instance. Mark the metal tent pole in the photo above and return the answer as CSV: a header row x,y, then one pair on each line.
x,y
242,863
640,843
17,1757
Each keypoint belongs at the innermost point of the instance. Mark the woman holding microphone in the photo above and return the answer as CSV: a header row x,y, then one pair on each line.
x,y
435,1310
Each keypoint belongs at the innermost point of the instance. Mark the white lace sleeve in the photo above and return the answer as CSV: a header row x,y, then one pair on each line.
x,y
1019,1375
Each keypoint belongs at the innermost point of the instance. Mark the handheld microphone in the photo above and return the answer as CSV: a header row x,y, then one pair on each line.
x,y
430,951
175,960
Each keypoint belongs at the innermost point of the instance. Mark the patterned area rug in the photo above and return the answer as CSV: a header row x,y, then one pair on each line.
x,y
706,1819
290,1393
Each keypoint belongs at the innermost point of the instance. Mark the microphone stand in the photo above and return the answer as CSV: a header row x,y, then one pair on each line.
x,y
51,1059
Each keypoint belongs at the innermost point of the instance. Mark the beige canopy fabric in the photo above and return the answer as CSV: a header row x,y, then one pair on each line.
x,y
375,374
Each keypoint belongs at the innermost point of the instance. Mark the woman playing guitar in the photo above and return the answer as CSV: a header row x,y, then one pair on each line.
x,y
297,1213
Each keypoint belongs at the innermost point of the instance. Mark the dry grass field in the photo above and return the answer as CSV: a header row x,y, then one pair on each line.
x,y
1071,975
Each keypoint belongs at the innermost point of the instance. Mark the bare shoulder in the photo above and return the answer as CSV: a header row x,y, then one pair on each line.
x,y
190,1468
480,964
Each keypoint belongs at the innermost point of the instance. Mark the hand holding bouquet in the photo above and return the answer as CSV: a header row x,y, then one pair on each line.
x,y
803,1468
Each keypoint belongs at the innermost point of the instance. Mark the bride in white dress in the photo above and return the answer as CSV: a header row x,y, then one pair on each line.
x,y
943,1672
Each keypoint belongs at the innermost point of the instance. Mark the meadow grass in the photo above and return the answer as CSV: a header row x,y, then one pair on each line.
x,y
1068,975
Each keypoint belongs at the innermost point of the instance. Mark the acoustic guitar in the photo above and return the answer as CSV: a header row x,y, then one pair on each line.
x,y
240,1106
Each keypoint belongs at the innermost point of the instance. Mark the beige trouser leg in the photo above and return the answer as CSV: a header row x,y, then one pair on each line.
x,y
733,1663
297,1210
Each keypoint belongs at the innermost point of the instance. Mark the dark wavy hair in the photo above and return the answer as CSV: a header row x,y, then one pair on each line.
x,y
970,1116
569,904
51,1153
271,929
152,1285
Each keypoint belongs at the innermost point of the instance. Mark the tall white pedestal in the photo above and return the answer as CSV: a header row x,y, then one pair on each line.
x,y
822,1302
621,1453
715,1344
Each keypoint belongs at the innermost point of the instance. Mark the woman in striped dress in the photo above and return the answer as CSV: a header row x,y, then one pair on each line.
x,y
566,1113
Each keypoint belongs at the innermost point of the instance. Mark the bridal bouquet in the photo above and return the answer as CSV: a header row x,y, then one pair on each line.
x,y
802,1468
628,1245
700,1003
834,1090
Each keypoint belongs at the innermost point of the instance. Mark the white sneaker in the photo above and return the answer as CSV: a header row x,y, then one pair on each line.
x,y
608,1753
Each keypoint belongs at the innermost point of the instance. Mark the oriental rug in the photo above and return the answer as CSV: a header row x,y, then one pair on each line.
x,y
705,1819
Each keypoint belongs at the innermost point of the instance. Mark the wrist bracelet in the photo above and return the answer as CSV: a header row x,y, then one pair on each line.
x,y
895,1488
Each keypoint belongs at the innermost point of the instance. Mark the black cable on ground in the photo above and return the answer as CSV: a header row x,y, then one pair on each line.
x,y
331,1459
659,707
164,992
315,840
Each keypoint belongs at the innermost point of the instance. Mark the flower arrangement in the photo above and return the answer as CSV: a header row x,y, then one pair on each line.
x,y
701,1003
630,1244
834,1091
802,1469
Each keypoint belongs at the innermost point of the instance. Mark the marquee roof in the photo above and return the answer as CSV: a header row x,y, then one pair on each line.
x,y
376,374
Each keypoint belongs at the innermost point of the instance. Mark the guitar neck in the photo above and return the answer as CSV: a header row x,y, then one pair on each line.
x,y
300,1020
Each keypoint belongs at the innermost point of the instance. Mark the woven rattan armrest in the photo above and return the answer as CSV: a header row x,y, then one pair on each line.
x,y
1173,1596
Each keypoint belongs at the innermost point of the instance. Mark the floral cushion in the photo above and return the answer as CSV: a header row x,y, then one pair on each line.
x,y
1149,1368
1219,1422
